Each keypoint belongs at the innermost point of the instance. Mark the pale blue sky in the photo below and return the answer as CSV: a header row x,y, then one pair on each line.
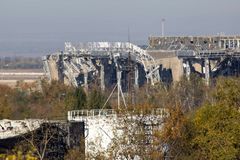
x,y
42,26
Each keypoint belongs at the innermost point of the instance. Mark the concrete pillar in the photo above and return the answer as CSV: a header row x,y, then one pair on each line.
x,y
86,81
102,75
179,71
119,77
207,71
231,43
147,80
151,78
219,43
202,66
188,69
136,78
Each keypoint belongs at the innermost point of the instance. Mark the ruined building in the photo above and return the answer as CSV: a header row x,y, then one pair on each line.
x,y
166,59
103,63
53,139
207,56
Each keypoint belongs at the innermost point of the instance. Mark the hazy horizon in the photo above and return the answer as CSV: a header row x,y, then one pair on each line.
x,y
38,27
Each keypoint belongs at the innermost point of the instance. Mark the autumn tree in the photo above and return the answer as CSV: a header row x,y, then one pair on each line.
x,y
217,133
227,92
175,134
59,98
212,132
5,108
190,94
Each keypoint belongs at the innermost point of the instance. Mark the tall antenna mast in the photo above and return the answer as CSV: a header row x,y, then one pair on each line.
x,y
130,70
163,23
128,34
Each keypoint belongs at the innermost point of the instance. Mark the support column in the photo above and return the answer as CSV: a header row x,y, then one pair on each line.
x,y
188,69
102,77
202,66
207,71
147,80
151,78
220,44
119,77
86,81
136,78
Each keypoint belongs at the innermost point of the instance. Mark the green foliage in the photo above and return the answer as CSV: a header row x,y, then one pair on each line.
x,y
81,98
176,133
190,94
56,91
96,99
227,92
217,133
53,101
5,110
195,129
18,156
36,97
212,132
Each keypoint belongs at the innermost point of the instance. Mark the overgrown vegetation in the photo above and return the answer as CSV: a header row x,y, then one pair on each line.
x,y
210,131
52,102
203,122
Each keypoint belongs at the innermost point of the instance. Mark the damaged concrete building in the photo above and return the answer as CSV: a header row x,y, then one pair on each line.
x,y
103,63
53,139
166,59
207,56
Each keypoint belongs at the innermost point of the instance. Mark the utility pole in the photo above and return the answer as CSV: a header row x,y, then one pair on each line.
x,y
163,23
131,78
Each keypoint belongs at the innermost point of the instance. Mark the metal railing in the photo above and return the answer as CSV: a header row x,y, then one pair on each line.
x,y
141,55
207,53
83,115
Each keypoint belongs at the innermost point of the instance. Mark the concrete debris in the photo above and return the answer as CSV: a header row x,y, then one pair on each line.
x,y
84,63
13,128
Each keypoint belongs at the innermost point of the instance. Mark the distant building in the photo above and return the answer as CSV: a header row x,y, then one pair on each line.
x,y
208,56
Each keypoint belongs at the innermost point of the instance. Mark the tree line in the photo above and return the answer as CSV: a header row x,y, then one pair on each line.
x,y
203,121
51,101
